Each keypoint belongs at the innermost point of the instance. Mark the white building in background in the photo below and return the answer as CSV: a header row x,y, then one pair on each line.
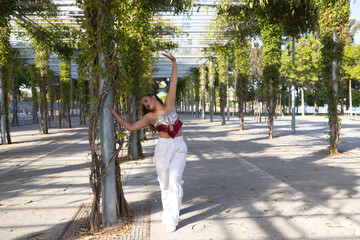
x,y
324,109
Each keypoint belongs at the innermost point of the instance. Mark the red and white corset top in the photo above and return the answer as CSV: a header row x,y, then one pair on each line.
x,y
168,122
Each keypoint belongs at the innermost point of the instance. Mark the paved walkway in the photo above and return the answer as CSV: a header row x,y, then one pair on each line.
x,y
238,184
43,181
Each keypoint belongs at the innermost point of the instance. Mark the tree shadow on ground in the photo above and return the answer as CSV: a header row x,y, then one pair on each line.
x,y
247,177
244,177
300,173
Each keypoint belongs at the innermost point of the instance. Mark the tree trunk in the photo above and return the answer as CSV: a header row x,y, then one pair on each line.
x,y
72,90
223,80
43,104
283,101
122,208
276,104
333,114
289,102
214,101
82,101
2,108
332,33
297,100
211,80
228,99
107,138
261,104
55,119
240,94
302,102
34,112
48,117
271,66
15,121
81,114
316,105
234,109
241,113
52,104
95,210
134,147
185,101
188,92
245,109
223,103
63,113
8,137
6,113
34,97
342,99
350,97
51,112
252,98
197,109
69,116
60,113
241,77
271,112
203,83
192,94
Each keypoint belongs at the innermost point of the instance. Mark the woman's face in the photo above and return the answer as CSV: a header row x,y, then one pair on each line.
x,y
148,102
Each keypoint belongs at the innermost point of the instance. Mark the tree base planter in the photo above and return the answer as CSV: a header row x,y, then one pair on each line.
x,y
135,227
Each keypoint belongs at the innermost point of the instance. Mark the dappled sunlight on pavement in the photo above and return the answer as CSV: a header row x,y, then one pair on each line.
x,y
241,185
44,180
237,184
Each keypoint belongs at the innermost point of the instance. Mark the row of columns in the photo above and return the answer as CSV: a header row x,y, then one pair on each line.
x,y
187,97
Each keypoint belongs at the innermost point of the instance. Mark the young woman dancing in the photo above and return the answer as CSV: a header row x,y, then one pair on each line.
x,y
170,150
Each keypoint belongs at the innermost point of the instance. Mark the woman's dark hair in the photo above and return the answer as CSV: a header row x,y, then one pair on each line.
x,y
145,110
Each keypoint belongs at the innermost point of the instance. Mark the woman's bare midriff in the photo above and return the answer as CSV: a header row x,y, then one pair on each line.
x,y
166,135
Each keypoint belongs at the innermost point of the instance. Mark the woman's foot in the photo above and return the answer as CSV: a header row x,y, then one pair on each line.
x,y
170,228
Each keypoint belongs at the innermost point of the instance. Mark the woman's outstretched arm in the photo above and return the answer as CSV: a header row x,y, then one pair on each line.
x,y
143,122
173,80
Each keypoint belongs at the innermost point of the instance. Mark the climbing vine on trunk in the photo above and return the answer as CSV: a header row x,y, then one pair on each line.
x,y
334,17
223,77
271,52
5,50
203,89
42,54
211,72
65,87
242,74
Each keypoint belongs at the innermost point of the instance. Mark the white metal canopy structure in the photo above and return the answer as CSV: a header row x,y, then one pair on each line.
x,y
190,43
68,14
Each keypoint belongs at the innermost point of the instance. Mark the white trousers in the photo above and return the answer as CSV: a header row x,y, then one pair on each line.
x,y
170,159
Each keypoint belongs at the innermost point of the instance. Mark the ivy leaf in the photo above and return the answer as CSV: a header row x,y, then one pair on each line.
x,y
121,134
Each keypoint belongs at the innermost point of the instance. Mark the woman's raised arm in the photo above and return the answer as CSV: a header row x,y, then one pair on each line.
x,y
173,80
143,122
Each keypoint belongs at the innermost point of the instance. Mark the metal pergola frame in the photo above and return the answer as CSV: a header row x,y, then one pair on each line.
x,y
190,43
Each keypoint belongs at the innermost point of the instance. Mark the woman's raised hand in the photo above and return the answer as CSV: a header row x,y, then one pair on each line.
x,y
169,56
